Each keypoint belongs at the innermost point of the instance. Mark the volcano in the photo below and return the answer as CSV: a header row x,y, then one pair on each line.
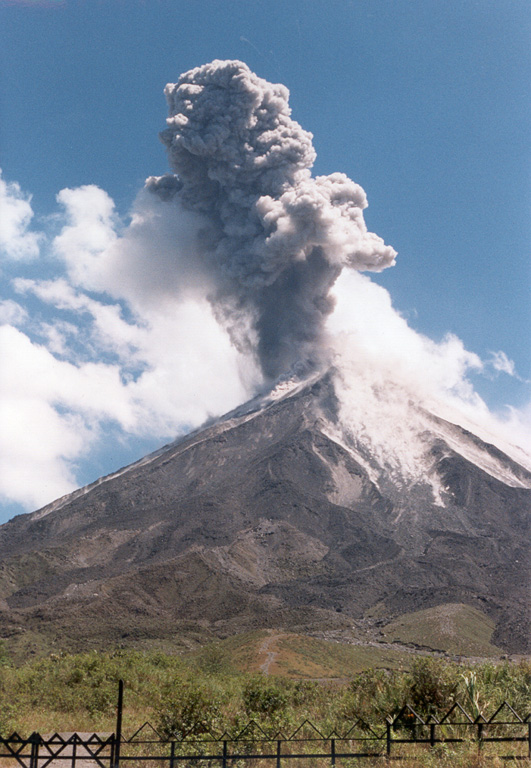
x,y
279,514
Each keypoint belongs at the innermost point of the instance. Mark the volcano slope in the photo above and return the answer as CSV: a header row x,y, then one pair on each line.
x,y
273,516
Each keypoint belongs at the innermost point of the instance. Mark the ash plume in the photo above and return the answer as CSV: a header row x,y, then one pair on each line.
x,y
275,239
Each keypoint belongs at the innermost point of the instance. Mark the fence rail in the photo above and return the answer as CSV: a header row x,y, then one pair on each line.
x,y
357,739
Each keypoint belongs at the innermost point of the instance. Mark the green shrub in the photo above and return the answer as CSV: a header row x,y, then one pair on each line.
x,y
5,656
432,686
264,698
505,682
213,660
371,696
8,713
191,708
201,691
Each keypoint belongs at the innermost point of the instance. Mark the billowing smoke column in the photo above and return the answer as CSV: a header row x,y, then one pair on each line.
x,y
275,239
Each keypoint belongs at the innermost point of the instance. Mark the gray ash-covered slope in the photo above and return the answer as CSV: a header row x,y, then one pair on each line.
x,y
274,515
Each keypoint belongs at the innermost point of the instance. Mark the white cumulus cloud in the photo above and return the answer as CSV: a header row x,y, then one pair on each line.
x,y
16,241
110,340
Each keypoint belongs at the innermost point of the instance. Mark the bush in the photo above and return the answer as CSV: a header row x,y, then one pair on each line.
x,y
8,714
5,658
200,691
193,708
372,695
265,698
432,686
505,682
213,660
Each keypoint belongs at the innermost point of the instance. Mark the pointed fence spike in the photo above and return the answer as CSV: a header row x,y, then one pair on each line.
x,y
252,724
147,724
309,724
407,710
505,705
95,738
363,726
451,710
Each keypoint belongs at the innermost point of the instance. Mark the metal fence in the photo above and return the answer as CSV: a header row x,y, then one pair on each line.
x,y
357,739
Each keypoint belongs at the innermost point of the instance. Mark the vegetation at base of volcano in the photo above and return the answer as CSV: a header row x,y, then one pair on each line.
x,y
204,689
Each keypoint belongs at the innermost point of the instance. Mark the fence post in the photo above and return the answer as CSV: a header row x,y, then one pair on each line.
x,y
74,751
333,751
388,724
118,731
34,740
172,755
279,743
432,734
224,753
480,736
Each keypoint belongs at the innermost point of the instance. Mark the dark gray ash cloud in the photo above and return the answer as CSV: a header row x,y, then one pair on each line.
x,y
275,238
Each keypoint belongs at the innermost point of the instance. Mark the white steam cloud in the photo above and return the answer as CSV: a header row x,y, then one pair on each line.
x,y
230,272
390,378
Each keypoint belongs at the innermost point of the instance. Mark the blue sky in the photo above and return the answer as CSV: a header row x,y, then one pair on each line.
x,y
425,104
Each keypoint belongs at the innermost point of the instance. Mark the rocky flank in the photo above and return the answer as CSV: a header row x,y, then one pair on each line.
x,y
273,516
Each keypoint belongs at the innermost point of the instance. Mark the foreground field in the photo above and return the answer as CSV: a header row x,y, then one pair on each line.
x,y
279,679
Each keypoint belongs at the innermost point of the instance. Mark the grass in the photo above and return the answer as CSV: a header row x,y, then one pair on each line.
x,y
314,678
307,657
220,687
298,656
455,628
